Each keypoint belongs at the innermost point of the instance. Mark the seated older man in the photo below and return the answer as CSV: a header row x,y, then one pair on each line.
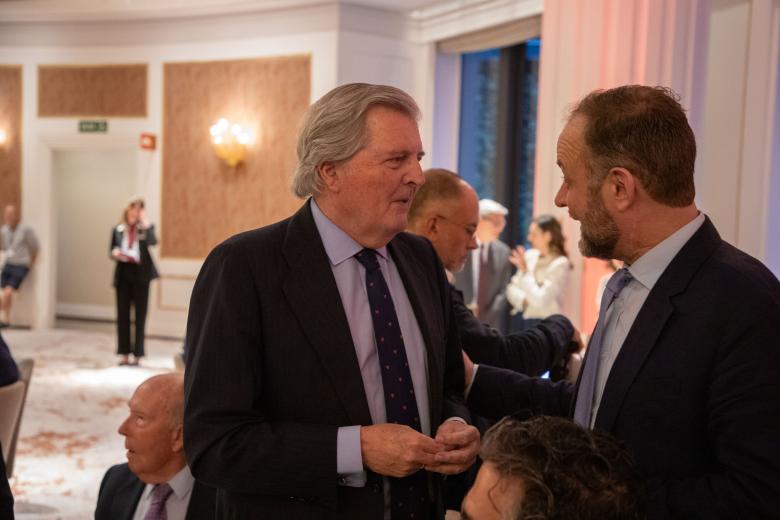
x,y
156,483
549,468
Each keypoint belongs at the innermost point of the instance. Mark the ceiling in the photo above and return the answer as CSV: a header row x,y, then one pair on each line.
x,y
50,10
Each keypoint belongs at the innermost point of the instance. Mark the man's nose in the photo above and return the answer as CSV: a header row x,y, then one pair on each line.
x,y
122,430
415,174
560,197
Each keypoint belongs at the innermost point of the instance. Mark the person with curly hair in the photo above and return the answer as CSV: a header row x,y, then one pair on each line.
x,y
550,468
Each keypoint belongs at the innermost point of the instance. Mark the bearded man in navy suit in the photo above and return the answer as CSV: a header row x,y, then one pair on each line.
x,y
683,363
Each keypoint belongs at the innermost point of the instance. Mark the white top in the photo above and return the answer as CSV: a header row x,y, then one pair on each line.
x,y
177,504
539,292
19,244
621,314
130,250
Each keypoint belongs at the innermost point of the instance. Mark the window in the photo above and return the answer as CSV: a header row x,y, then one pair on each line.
x,y
499,89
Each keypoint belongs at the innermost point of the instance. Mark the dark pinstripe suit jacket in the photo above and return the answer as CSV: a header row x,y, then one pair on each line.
x,y
272,372
694,392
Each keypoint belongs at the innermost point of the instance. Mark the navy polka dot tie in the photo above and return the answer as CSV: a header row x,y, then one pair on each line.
x,y
407,495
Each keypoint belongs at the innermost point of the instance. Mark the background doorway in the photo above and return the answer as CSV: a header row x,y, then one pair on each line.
x,y
90,190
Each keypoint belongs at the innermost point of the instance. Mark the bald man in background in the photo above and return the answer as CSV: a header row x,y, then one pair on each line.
x,y
155,483
446,211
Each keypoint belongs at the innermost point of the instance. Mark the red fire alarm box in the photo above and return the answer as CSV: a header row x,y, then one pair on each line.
x,y
148,141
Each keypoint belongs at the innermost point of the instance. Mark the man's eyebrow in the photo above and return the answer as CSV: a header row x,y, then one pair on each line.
x,y
405,152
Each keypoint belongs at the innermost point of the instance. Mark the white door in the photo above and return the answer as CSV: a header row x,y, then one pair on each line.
x,y
90,190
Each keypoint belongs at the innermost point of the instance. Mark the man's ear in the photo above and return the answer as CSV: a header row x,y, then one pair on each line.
x,y
177,439
431,224
622,186
328,173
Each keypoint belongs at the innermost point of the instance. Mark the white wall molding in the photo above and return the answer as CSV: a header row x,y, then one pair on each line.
x,y
457,17
112,10
219,27
82,310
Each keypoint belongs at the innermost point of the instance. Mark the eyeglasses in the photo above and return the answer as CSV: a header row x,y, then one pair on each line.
x,y
470,229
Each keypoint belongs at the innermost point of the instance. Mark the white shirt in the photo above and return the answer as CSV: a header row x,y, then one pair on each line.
x,y
539,292
624,309
177,504
130,250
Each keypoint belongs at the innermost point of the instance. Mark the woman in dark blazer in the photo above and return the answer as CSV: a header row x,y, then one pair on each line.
x,y
130,241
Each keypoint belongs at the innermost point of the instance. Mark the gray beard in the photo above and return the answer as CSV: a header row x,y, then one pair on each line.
x,y
598,234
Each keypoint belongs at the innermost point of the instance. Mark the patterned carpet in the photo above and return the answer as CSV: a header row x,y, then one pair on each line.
x,y
77,400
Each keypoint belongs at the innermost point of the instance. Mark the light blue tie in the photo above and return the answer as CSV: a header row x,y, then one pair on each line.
x,y
584,403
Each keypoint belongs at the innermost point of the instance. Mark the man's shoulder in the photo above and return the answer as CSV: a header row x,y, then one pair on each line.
x,y
414,244
119,474
412,240
738,271
718,275
262,239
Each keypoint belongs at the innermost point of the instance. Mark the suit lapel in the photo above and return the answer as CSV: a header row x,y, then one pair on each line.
x,y
415,282
651,320
126,498
311,291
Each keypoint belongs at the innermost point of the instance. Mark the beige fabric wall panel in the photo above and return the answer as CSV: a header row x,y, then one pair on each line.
x,y
84,91
204,201
11,124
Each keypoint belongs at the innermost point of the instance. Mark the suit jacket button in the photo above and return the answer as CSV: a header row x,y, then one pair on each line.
x,y
376,488
342,481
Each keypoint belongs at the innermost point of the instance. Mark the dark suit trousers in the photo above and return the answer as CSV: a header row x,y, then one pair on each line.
x,y
129,292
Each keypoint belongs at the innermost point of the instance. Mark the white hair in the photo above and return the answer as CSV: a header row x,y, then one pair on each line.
x,y
334,128
491,207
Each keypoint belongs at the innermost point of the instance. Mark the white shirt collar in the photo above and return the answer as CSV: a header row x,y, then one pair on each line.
x,y
181,484
649,267
339,246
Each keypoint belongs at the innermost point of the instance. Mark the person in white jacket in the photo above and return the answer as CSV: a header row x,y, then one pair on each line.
x,y
538,287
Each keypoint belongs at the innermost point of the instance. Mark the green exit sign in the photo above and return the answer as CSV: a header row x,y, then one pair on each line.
x,y
93,126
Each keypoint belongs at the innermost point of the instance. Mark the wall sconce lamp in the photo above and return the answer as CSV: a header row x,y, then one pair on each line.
x,y
230,141
3,138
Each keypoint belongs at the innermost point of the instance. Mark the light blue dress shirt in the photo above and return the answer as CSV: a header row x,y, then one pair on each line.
x,y
350,278
177,504
620,316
